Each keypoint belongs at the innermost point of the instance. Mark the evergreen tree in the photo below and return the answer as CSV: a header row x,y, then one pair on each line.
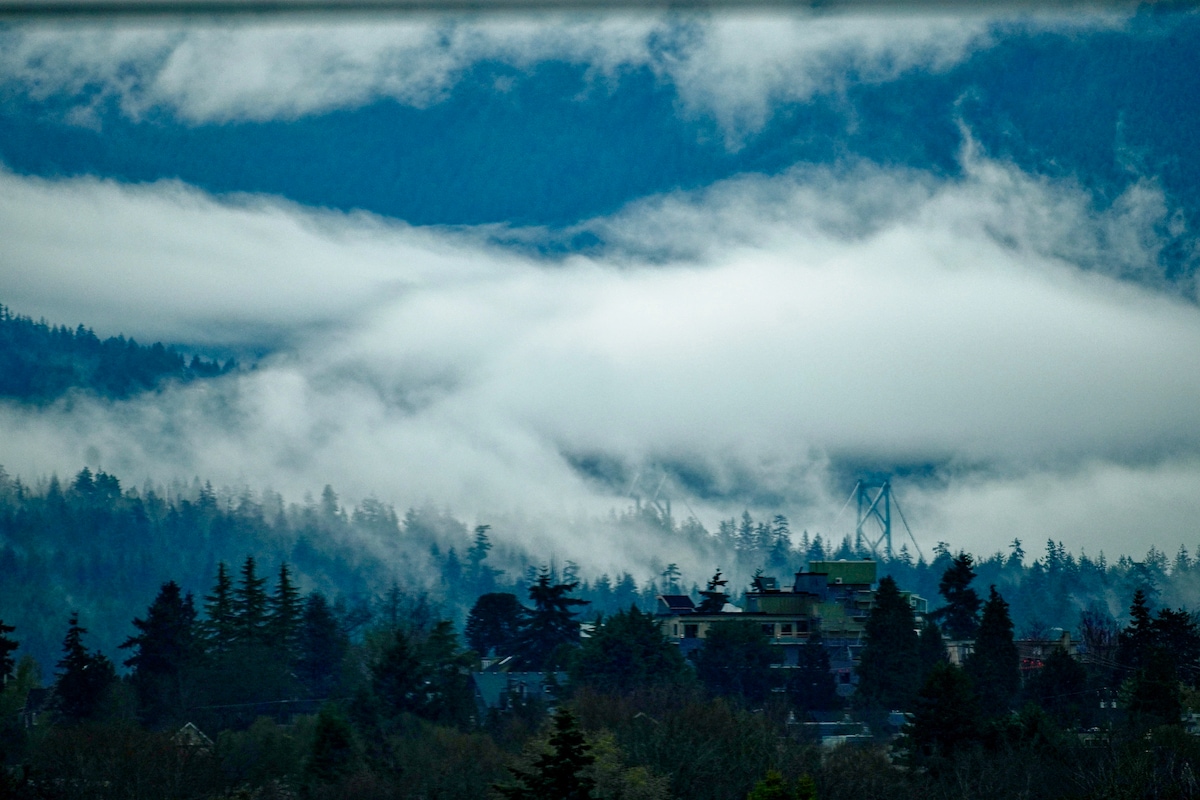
x,y
7,647
931,649
332,513
220,626
1137,639
889,665
482,577
994,665
283,614
811,686
714,596
1059,688
736,661
1153,697
250,605
945,718
449,698
670,577
165,652
1176,633
745,533
550,625
493,624
452,569
626,652
960,615
83,679
321,647
816,551
560,773
781,544
398,679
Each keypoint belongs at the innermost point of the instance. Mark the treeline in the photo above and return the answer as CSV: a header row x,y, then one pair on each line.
x,y
40,362
94,545
306,700
1051,590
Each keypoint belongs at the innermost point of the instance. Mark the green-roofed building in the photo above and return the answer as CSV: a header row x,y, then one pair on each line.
x,y
834,597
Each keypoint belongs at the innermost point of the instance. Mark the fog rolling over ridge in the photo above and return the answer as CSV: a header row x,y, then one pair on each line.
x,y
1020,346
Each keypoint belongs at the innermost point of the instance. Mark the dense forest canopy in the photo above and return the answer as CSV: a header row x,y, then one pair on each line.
x,y
312,698
93,545
40,362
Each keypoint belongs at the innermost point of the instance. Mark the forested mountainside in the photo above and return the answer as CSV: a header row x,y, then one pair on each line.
x,y
379,697
40,362
94,546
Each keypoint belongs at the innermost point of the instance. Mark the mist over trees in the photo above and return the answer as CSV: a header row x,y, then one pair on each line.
x,y
94,545
306,700
300,638
40,362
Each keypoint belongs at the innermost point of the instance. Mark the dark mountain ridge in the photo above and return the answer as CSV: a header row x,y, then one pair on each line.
x,y
40,362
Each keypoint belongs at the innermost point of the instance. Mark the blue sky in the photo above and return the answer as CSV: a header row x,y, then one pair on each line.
x,y
755,255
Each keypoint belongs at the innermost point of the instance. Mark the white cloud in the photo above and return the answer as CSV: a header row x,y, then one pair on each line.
x,y
731,67
753,331
173,263
1102,506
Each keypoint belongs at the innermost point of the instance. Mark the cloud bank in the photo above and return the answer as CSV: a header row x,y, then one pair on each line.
x,y
732,68
756,334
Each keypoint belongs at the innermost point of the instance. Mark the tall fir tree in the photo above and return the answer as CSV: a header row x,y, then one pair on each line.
x,y
811,686
449,698
889,665
737,661
399,677
931,649
994,664
165,656
1177,633
561,772
551,626
321,647
713,598
250,605
1137,640
220,624
83,679
1060,688
945,720
960,615
481,577
283,614
493,624
627,652
1152,695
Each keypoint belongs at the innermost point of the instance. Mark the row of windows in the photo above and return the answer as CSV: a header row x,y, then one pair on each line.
x,y
692,630
786,628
